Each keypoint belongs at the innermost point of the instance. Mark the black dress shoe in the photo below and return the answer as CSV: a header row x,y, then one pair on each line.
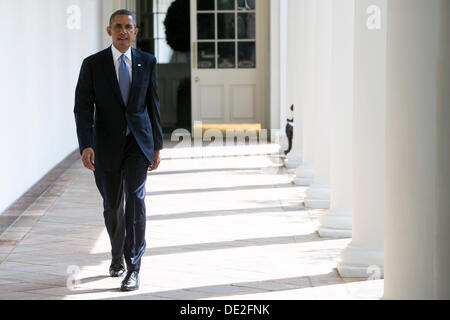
x,y
117,269
131,281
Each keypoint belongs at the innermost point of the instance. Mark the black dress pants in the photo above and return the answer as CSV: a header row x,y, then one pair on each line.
x,y
123,194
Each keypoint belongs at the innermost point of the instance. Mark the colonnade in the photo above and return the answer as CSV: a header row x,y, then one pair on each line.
x,y
370,80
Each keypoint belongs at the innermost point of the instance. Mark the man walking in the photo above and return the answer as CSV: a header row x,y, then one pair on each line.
x,y
120,137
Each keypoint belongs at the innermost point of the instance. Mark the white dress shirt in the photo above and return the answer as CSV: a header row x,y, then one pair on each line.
x,y
116,57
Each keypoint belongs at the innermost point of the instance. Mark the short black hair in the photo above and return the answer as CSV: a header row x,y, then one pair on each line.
x,y
122,12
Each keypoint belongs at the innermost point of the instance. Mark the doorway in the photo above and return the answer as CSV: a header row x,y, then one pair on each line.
x,y
229,62
213,60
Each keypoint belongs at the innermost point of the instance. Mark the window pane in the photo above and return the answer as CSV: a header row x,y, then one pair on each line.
x,y
165,52
206,55
205,5
226,55
225,26
225,4
161,5
246,26
205,26
159,29
247,54
246,4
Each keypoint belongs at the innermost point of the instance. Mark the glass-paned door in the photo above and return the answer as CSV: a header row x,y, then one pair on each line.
x,y
225,36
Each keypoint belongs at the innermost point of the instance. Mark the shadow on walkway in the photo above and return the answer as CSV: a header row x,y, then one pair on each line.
x,y
172,172
217,213
244,288
220,189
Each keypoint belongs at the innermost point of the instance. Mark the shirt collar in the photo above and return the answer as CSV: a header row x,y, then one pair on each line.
x,y
117,54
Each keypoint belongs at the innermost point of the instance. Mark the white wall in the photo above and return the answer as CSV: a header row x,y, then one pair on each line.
x,y
40,60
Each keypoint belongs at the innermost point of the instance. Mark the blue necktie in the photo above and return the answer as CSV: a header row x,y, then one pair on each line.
x,y
124,82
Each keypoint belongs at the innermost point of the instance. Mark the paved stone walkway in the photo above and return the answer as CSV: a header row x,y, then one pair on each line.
x,y
222,226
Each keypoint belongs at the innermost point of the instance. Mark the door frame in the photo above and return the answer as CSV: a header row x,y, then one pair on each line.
x,y
262,58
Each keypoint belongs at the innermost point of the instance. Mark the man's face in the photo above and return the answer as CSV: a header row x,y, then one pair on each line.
x,y
122,32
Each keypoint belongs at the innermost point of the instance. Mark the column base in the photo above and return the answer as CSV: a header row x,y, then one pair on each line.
x,y
318,197
334,233
292,162
362,262
336,224
304,176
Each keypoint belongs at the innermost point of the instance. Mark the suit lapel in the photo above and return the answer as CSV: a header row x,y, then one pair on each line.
x,y
137,74
112,76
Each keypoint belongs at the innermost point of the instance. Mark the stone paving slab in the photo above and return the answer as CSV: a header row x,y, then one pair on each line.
x,y
223,226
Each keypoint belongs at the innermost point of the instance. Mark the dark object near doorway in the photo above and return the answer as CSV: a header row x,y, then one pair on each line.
x,y
184,104
178,26
290,131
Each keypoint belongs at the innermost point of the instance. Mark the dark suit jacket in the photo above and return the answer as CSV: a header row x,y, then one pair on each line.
x,y
102,117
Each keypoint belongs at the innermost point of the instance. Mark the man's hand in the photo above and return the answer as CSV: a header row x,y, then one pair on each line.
x,y
156,161
88,158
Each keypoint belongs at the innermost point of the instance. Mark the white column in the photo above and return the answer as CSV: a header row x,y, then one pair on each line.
x,y
337,222
305,172
441,278
418,152
275,112
283,69
295,77
318,195
369,143
278,62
